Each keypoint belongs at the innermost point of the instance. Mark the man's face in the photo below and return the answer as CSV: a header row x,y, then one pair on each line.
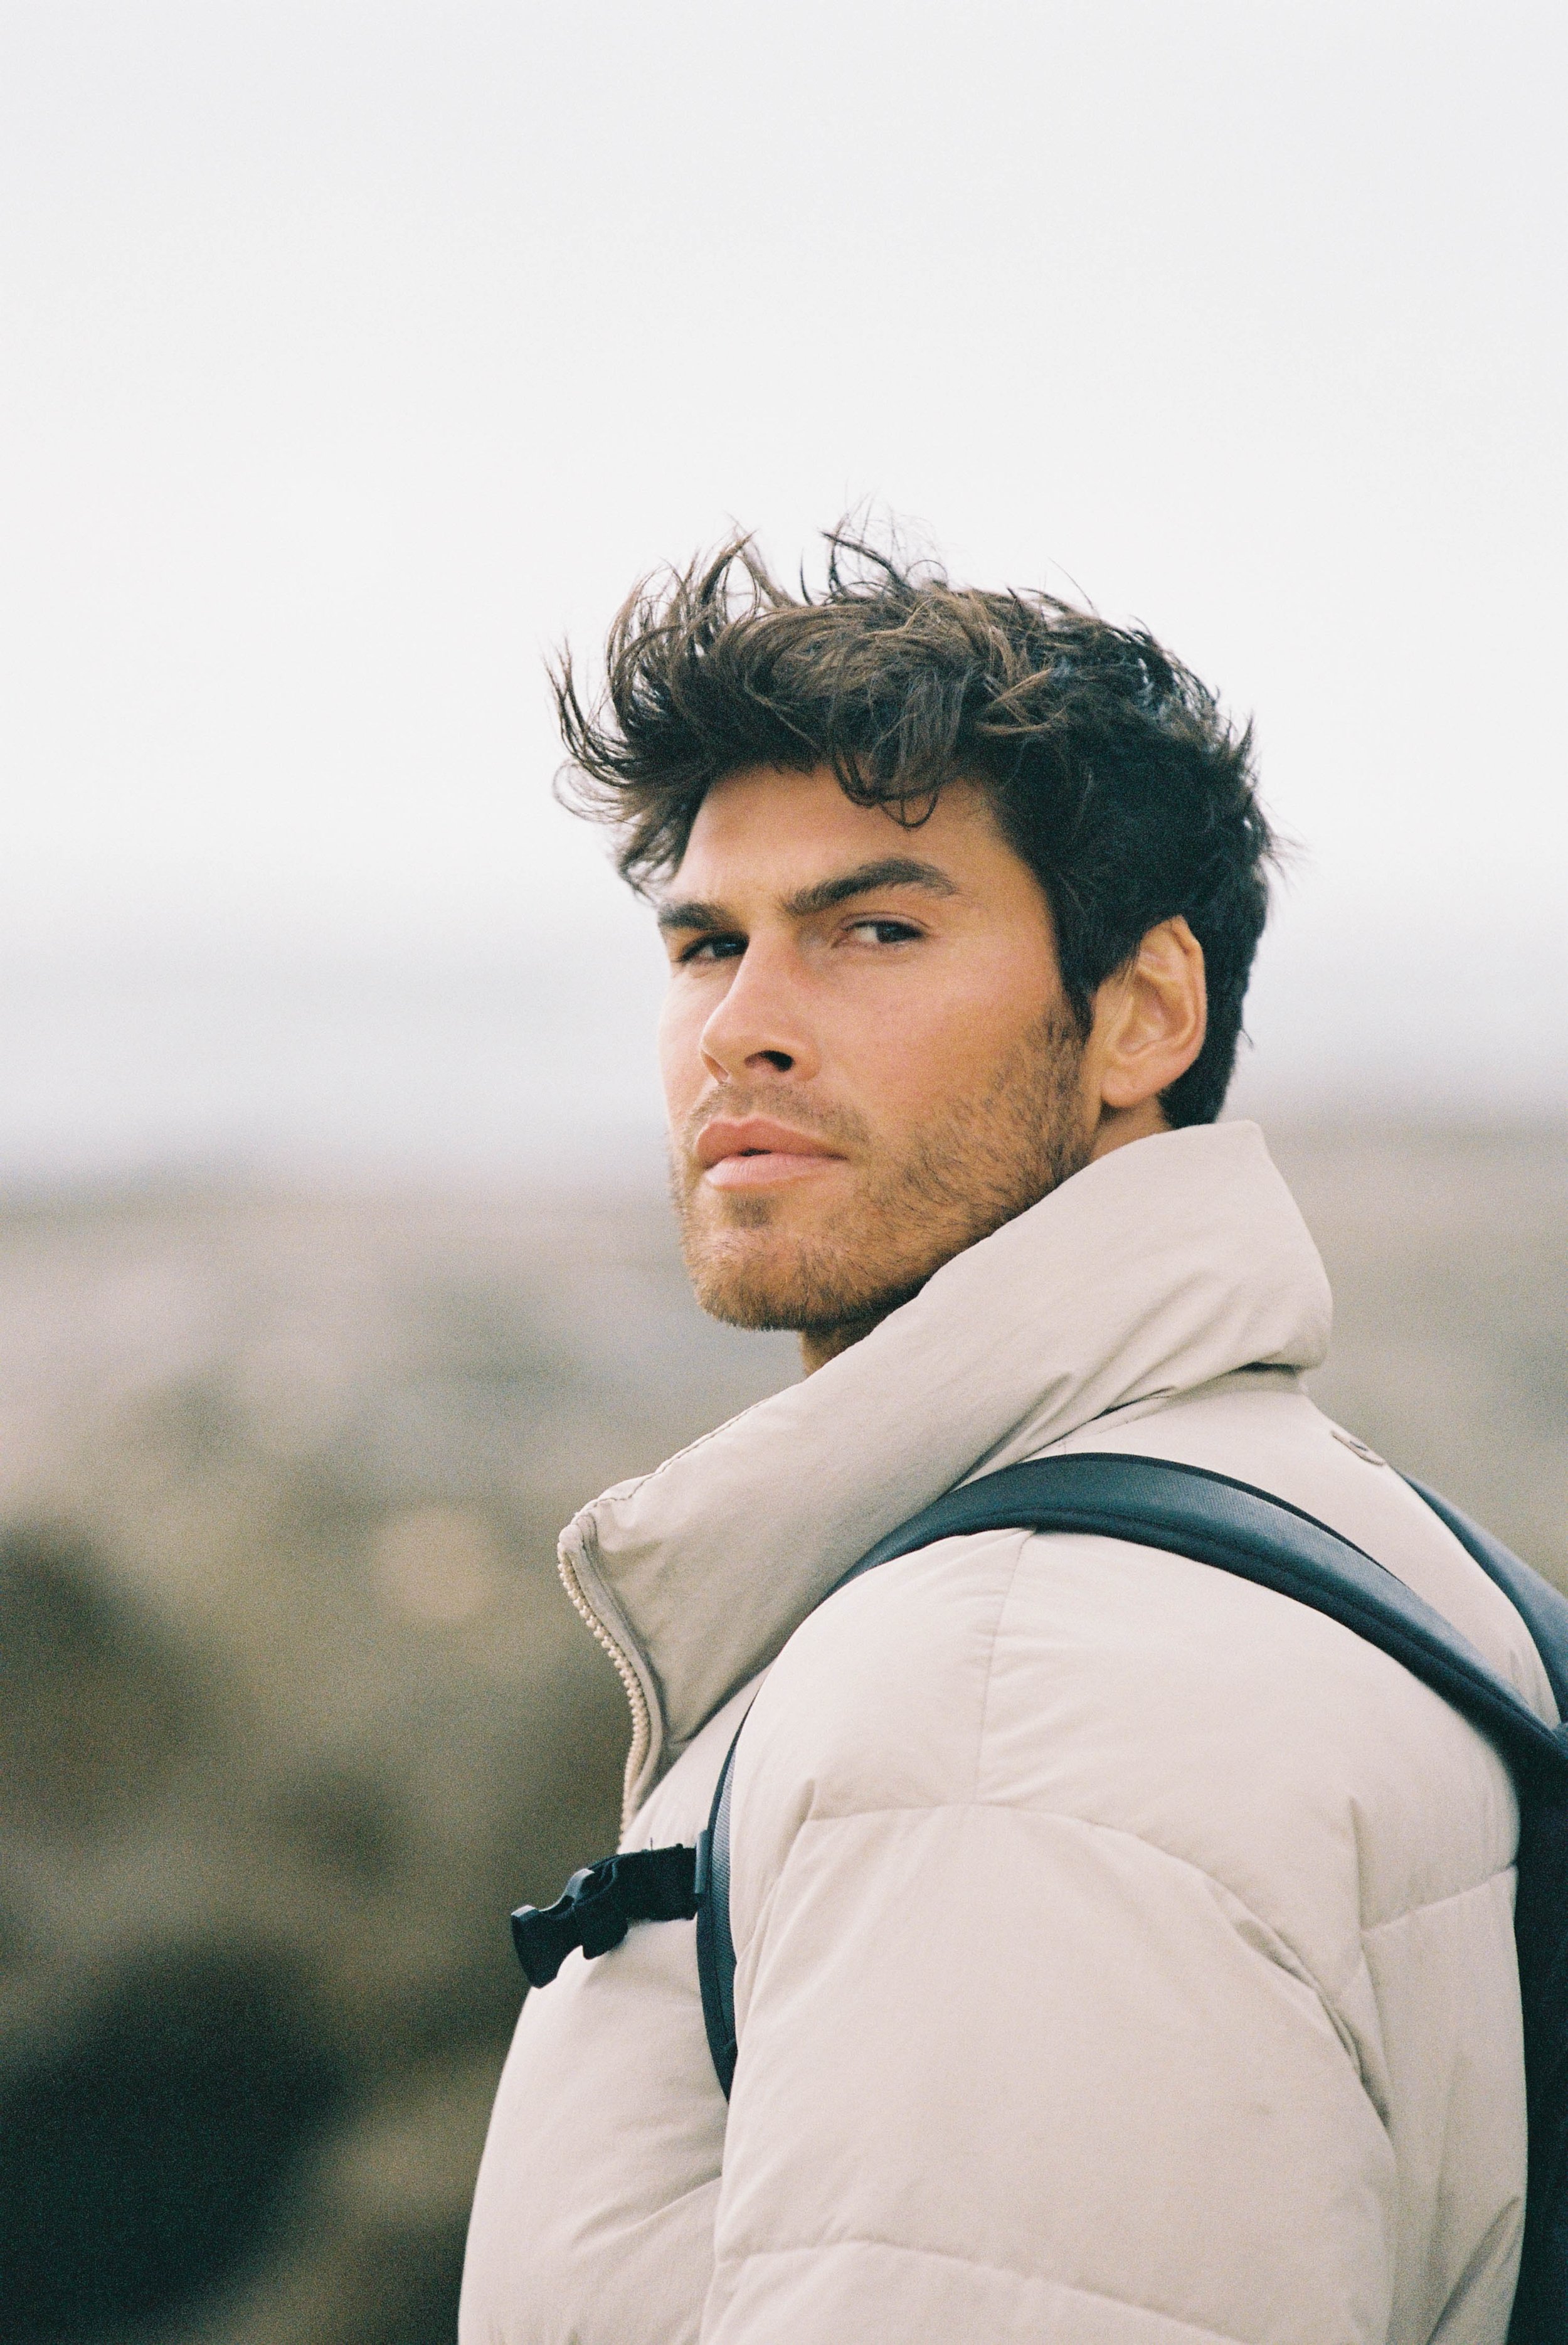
x,y
868,1059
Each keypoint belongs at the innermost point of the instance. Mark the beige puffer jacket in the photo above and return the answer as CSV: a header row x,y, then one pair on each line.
x,y
1125,1951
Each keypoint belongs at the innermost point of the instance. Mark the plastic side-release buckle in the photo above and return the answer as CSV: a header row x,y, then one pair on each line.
x,y
600,1903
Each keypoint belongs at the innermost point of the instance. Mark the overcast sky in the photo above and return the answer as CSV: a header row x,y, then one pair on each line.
x,y
354,355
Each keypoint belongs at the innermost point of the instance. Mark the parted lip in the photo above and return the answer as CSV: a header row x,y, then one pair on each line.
x,y
755,1135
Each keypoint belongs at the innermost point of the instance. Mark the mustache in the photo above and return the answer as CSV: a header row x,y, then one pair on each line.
x,y
786,1104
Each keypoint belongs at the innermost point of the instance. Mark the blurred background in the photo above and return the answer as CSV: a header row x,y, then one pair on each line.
x,y
352,357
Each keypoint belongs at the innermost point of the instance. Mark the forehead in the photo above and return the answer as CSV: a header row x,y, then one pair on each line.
x,y
771,827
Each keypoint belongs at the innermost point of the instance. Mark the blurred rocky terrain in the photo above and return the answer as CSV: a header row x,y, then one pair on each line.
x,y
292,1710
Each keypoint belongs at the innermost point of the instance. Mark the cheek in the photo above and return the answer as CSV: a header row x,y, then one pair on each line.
x,y
681,1069
943,1044
923,1063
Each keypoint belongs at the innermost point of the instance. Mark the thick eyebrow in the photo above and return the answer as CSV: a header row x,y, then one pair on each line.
x,y
890,871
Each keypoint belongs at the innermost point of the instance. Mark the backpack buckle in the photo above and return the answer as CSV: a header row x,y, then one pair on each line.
x,y
600,1903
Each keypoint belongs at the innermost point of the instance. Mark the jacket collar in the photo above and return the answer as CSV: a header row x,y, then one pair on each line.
x,y
1167,1264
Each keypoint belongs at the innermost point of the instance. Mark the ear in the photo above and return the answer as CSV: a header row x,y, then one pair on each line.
x,y
1149,1021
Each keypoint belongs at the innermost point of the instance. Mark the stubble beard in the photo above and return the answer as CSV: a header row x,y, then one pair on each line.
x,y
979,1161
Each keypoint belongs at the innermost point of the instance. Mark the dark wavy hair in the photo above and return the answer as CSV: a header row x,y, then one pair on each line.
x,y
1112,770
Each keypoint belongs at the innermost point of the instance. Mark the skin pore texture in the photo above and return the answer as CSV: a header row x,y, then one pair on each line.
x,y
869,1059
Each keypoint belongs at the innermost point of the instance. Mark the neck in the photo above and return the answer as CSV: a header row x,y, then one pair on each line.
x,y
1119,1125
820,1345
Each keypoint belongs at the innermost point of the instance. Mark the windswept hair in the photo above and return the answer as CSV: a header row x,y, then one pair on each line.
x,y
1112,770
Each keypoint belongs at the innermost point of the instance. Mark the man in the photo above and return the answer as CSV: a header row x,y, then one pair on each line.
x,y
1124,1950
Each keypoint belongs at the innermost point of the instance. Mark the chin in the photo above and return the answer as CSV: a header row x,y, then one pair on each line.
x,y
763,1279
746,1285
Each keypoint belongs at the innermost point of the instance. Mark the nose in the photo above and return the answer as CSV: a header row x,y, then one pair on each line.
x,y
761,1027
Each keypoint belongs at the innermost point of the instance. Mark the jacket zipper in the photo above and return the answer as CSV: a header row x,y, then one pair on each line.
x,y
642,1724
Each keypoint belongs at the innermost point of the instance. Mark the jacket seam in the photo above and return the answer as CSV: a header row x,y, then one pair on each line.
x,y
1124,1831
1004,1599
980,2263
1431,1904
1119,1831
1348,2034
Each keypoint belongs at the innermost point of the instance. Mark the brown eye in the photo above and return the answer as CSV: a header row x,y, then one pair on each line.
x,y
886,932
712,948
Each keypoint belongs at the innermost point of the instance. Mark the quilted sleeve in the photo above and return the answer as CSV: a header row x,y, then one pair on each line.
x,y
1009,2075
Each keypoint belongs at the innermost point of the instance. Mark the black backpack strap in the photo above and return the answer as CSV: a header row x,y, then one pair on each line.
x,y
1186,1510
1542,1608
715,1946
